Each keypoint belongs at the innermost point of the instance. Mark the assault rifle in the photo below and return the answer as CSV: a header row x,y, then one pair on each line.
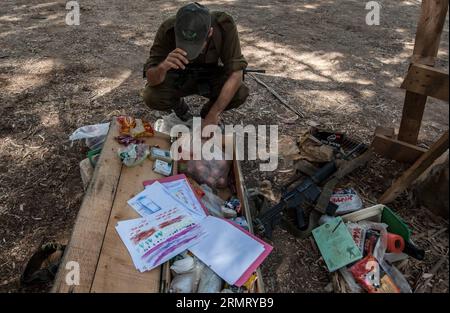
x,y
305,192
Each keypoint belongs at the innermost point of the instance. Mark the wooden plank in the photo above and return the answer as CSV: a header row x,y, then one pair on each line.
x,y
426,47
427,81
242,195
411,174
396,150
385,131
164,284
115,271
412,115
87,237
429,30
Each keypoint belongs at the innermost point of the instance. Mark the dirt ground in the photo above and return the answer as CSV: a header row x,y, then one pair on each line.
x,y
320,55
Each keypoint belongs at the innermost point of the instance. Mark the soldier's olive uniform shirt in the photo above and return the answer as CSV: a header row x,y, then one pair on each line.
x,y
224,48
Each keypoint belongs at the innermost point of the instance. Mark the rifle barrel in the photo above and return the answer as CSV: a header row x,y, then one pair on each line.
x,y
253,70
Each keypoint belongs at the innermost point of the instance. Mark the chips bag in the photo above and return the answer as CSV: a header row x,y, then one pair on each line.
x,y
369,274
135,127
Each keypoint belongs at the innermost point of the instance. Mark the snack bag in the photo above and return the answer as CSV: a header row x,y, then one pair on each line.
x,y
135,127
369,274
126,123
128,139
371,239
358,234
134,154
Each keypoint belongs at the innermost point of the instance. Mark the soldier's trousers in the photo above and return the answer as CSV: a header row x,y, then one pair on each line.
x,y
166,96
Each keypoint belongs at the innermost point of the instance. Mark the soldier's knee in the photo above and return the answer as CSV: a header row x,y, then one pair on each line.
x,y
155,99
150,97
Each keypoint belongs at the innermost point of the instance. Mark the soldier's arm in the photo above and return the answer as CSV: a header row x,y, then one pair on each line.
x,y
176,60
227,93
161,57
234,63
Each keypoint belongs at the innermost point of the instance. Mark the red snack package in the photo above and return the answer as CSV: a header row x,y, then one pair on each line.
x,y
368,273
135,127
126,123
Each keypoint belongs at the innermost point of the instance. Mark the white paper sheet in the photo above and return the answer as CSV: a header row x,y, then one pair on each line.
x,y
180,189
226,249
154,240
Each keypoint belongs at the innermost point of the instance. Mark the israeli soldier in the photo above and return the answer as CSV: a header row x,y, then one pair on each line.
x,y
196,52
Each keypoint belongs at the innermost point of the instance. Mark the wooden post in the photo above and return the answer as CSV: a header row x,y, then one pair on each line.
x,y
428,36
429,30
411,174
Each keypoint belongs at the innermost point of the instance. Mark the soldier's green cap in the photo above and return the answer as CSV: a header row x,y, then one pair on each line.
x,y
192,25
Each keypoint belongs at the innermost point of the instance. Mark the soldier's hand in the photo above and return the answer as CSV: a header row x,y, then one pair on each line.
x,y
176,60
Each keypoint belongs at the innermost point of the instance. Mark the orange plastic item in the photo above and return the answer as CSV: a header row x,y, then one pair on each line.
x,y
395,243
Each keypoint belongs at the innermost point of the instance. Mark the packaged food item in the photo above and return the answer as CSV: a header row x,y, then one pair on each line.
x,y
196,187
347,200
369,274
350,280
135,127
241,221
94,135
138,130
160,154
210,282
371,239
184,265
378,247
212,202
215,205
250,283
227,212
358,234
398,278
128,139
234,204
134,154
126,123
183,283
162,167
387,285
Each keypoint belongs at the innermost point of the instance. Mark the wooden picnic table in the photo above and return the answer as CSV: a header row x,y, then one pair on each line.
x,y
104,262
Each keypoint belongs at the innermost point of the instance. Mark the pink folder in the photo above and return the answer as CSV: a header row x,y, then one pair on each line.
x,y
252,268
